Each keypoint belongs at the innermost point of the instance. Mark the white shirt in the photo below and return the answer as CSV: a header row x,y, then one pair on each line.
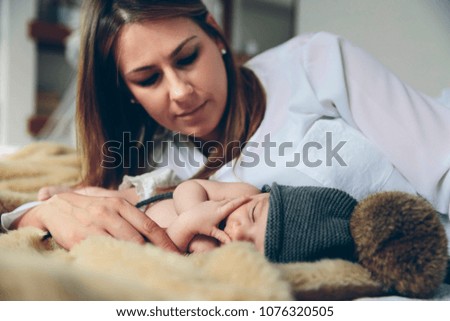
x,y
336,117
391,137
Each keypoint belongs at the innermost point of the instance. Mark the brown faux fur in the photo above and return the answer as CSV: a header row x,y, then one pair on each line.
x,y
400,242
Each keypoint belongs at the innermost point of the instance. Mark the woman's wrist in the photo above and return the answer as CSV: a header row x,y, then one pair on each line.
x,y
7,219
29,218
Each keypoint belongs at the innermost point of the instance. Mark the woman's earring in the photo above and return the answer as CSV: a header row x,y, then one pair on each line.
x,y
133,101
223,51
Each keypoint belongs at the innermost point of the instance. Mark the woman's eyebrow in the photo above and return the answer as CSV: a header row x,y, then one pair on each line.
x,y
175,52
181,45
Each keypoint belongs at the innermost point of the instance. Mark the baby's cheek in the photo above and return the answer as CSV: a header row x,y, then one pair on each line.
x,y
260,235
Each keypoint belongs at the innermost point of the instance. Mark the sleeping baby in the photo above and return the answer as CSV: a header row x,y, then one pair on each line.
x,y
397,237
285,223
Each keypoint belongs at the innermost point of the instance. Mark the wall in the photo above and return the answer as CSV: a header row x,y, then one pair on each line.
x,y
17,70
261,24
411,37
215,7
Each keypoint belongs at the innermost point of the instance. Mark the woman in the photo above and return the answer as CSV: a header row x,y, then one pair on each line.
x,y
313,111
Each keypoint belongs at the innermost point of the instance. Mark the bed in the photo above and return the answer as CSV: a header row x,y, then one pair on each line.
x,y
101,268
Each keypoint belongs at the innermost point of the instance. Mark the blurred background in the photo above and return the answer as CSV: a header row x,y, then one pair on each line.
x,y
39,48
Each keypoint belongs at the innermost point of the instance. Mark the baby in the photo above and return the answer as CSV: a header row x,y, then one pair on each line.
x,y
285,223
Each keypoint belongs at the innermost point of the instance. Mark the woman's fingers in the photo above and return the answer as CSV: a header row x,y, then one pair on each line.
x,y
136,226
64,226
67,238
71,218
148,228
114,216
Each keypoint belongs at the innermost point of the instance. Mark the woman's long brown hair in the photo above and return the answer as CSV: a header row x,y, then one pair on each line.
x,y
112,132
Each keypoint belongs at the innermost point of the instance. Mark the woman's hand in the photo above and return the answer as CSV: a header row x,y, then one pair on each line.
x,y
48,191
72,217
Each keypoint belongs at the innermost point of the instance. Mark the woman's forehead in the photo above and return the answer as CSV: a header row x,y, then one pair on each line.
x,y
137,41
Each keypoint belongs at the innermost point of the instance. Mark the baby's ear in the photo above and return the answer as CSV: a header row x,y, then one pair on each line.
x,y
401,241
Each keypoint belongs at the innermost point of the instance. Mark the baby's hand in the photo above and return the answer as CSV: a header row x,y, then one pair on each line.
x,y
202,244
205,217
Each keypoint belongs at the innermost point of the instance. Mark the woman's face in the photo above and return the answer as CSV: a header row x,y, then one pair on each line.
x,y
249,221
176,72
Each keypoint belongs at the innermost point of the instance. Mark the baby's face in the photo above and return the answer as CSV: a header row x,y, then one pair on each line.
x,y
249,221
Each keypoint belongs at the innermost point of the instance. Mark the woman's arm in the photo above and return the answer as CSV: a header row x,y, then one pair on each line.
x,y
410,128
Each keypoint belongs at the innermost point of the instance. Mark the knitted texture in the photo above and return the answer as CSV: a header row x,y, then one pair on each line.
x,y
308,223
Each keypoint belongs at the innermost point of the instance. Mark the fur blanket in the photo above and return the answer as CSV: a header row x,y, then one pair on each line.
x,y
101,268
34,166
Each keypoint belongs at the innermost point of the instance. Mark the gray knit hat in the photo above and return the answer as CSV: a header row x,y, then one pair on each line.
x,y
308,223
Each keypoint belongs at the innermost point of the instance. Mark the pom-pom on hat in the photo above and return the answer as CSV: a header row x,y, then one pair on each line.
x,y
401,241
308,223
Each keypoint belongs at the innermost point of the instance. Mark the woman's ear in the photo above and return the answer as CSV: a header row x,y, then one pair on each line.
x,y
213,23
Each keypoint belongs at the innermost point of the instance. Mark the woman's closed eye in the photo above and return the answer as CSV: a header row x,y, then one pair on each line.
x,y
190,59
183,62
150,81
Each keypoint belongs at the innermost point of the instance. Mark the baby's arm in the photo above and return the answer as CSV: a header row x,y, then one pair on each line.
x,y
186,196
194,218
202,219
195,191
189,194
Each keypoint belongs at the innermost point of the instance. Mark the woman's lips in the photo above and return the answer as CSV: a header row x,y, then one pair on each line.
x,y
191,113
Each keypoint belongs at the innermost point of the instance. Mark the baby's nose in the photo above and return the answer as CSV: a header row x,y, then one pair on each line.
x,y
235,230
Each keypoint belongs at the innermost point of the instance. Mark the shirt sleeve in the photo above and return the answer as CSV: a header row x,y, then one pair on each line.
x,y
146,184
8,218
411,129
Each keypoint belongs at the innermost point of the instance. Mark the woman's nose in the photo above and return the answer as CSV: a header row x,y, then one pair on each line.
x,y
180,89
